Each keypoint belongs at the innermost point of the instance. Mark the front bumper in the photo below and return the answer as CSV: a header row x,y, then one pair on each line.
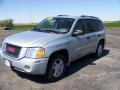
x,y
27,65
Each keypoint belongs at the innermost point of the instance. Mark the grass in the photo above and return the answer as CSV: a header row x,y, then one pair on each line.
x,y
115,24
108,25
23,27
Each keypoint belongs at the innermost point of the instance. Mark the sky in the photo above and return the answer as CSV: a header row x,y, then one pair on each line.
x,y
19,10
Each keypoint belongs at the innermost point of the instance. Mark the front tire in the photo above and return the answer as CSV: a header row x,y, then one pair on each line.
x,y
56,68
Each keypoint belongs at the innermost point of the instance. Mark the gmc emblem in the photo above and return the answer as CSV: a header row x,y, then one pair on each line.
x,y
11,49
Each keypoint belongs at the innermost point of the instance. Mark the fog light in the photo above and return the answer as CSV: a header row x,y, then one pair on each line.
x,y
27,67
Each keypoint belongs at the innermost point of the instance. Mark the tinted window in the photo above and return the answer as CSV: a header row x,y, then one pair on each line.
x,y
99,25
80,25
93,25
90,25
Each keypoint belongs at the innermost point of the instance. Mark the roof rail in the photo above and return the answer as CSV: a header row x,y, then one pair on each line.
x,y
63,15
88,16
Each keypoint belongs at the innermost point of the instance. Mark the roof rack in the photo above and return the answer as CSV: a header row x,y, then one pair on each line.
x,y
63,15
88,16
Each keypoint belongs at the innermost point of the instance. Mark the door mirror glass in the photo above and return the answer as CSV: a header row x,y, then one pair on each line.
x,y
77,32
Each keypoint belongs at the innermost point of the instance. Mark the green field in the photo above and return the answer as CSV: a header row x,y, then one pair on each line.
x,y
23,27
114,24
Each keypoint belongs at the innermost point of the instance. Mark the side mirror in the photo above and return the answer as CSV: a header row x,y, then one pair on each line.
x,y
78,32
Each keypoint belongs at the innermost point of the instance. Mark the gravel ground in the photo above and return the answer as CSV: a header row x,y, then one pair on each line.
x,y
86,73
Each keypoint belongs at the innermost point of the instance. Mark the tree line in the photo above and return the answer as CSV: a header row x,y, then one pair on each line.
x,y
6,24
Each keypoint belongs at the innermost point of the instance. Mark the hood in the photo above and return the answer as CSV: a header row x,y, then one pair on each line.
x,y
31,38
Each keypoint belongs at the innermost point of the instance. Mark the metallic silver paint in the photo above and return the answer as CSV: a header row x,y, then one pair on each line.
x,y
76,46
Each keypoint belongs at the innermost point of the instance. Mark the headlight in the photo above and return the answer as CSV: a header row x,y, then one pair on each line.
x,y
35,53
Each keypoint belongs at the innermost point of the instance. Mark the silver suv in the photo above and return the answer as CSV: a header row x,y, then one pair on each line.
x,y
51,45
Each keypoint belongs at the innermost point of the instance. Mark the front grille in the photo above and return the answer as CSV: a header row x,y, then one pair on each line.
x,y
12,50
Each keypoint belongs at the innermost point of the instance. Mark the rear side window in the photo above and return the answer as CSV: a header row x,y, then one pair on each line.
x,y
89,25
99,25
93,25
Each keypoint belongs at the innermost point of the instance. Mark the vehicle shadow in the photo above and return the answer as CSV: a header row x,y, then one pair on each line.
x,y
73,68
83,62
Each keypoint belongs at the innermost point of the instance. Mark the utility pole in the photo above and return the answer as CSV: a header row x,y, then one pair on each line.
x,y
119,19
30,18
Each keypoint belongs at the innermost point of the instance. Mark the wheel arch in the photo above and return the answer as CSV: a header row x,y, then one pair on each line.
x,y
63,52
102,41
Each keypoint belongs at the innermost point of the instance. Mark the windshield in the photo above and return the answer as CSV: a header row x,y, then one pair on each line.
x,y
56,25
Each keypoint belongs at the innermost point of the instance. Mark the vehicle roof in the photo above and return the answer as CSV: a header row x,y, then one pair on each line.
x,y
77,17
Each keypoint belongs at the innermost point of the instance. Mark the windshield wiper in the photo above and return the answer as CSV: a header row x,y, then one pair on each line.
x,y
50,31
47,30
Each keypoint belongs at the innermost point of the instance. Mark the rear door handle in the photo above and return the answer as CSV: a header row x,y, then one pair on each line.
x,y
99,35
88,37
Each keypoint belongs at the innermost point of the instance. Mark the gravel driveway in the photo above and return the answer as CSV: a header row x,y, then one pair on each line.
x,y
86,73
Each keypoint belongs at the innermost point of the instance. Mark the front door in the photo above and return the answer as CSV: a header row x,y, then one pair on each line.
x,y
80,42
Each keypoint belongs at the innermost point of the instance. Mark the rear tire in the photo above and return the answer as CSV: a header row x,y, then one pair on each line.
x,y
99,51
56,68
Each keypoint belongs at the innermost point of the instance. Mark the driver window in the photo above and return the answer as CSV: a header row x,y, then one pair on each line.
x,y
80,26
